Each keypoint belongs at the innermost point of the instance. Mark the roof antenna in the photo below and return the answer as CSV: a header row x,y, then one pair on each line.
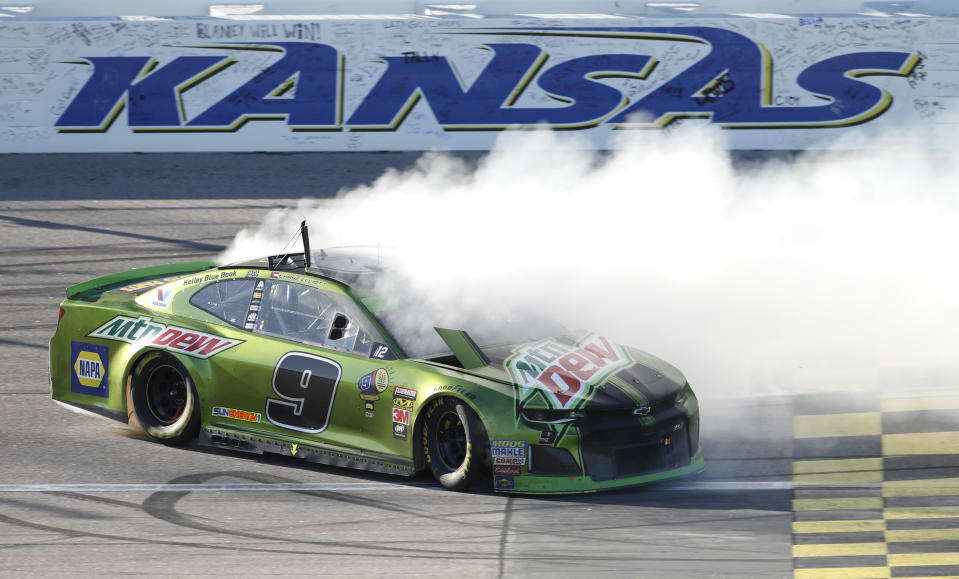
x,y
305,232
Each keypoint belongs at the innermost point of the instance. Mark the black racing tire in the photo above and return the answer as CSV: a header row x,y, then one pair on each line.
x,y
455,445
164,399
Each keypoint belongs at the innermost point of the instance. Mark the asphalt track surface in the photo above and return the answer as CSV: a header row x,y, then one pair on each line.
x,y
81,495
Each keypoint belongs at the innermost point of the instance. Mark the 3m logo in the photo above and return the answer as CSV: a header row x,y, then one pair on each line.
x,y
401,416
89,369
146,332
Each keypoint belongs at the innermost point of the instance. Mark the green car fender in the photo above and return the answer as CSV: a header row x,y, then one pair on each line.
x,y
492,402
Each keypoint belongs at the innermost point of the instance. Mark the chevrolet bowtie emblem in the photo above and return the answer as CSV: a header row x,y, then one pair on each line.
x,y
642,410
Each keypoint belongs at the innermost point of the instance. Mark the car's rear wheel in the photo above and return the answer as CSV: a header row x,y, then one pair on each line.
x,y
455,445
164,399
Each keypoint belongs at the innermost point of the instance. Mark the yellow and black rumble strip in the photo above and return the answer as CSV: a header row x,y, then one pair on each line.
x,y
876,485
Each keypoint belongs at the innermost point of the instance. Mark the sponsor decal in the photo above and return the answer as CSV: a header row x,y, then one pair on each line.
x,y
402,402
253,273
90,364
254,310
293,448
404,392
399,430
548,437
508,452
401,416
565,373
296,278
148,333
236,414
143,285
162,299
730,85
507,469
503,482
371,386
219,275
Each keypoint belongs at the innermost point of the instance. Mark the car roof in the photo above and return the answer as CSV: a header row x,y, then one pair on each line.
x,y
355,266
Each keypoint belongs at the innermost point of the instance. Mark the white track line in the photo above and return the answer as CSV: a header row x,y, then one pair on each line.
x,y
678,486
214,487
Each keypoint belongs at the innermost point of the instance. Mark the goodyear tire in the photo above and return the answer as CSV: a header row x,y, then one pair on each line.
x,y
164,399
455,445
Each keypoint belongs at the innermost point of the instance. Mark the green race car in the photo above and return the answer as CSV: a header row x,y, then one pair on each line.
x,y
299,354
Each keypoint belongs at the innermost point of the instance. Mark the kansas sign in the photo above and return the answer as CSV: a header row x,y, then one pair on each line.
x,y
730,85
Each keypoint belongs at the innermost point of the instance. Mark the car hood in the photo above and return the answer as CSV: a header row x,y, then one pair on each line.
x,y
586,371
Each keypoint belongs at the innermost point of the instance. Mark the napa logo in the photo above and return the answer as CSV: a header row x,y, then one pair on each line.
x,y
90,364
729,84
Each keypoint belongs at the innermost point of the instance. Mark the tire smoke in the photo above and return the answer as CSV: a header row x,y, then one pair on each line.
x,y
744,277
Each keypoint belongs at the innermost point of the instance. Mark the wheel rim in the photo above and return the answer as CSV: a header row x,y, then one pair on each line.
x,y
166,394
451,440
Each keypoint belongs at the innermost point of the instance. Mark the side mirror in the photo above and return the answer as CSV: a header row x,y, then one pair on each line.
x,y
340,324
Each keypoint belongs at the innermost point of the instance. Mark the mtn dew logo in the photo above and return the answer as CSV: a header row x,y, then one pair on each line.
x,y
564,373
146,331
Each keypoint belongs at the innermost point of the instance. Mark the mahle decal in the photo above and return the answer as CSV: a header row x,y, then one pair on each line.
x,y
144,331
566,373
508,452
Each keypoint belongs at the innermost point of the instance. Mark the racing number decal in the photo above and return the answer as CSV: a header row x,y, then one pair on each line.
x,y
306,386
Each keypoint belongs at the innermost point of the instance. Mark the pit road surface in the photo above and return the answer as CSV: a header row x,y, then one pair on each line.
x,y
87,496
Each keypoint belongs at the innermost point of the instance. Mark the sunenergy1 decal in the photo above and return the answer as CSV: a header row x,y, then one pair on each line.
x,y
563,375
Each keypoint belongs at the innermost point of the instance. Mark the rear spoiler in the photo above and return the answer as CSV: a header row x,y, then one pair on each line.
x,y
134,275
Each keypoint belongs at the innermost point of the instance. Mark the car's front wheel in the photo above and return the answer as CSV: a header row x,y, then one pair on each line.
x,y
455,445
164,399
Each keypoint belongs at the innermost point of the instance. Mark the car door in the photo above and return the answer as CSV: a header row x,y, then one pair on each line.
x,y
328,384
314,367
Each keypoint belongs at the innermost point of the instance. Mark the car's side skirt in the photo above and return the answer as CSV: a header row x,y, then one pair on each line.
x,y
258,445
97,411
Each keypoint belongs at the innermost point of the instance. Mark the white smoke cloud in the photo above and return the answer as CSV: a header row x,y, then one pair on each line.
x,y
740,277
